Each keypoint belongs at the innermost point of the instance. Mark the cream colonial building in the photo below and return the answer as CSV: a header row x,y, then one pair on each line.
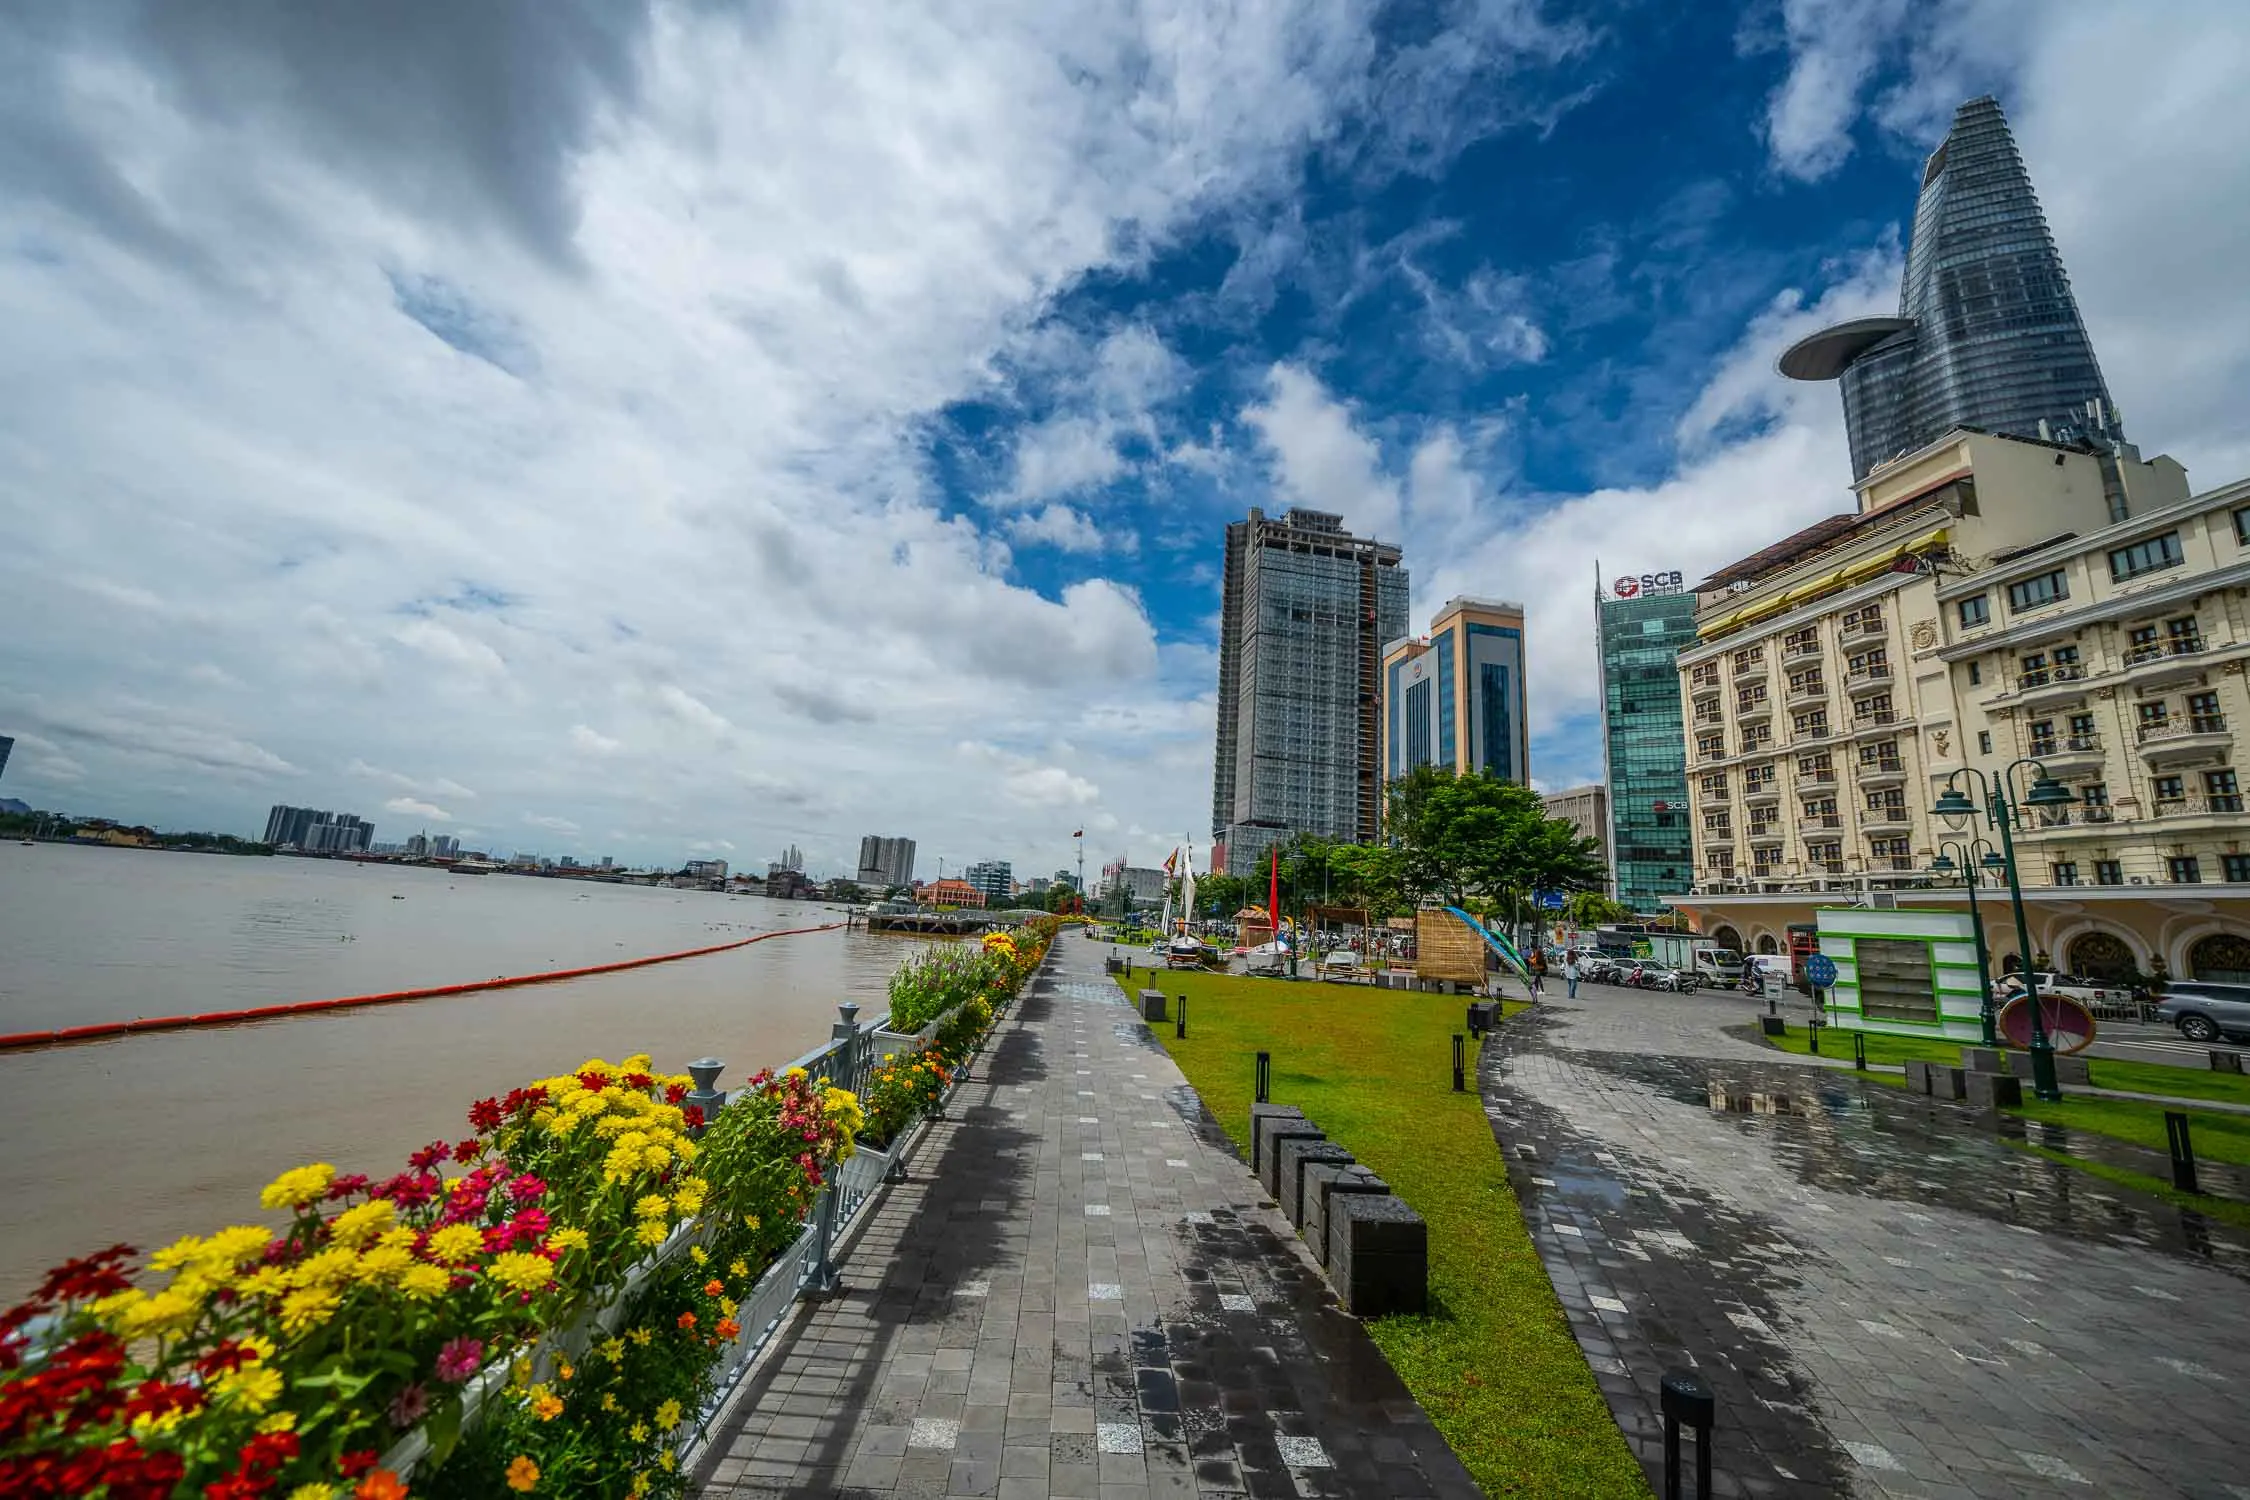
x,y
1992,597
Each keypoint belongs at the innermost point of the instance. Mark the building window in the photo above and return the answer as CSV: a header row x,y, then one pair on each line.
x,y
2081,731
2184,869
2153,555
2236,868
2108,872
2032,593
1975,611
2042,737
2220,793
1812,725
2066,872
1984,742
1976,675
2168,789
1497,726
2152,714
2203,713
2242,526
1710,746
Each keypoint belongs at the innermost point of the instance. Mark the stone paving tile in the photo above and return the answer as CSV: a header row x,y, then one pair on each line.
x,y
1082,1292
1886,1299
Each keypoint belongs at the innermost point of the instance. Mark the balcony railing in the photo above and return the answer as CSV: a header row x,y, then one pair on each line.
x,y
2190,645
1824,866
1823,820
1760,791
1797,650
1710,716
1869,768
2199,806
1897,862
1809,732
1875,719
1864,625
2172,729
2075,744
1807,690
1884,816
1752,707
1822,777
1874,675
1703,687
1711,793
1745,665
1765,832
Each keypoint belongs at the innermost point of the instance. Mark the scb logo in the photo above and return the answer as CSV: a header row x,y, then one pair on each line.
x,y
1647,583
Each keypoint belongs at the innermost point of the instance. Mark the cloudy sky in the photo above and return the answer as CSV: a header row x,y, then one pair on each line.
x,y
614,429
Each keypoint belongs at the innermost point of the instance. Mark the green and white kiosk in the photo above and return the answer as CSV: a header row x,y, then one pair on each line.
x,y
1902,972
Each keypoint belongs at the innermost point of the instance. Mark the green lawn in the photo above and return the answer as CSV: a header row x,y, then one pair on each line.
x,y
2219,1137
1494,1364
2217,1208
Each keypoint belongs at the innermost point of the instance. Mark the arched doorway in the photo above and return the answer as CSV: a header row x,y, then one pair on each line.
x,y
1766,944
2102,955
1727,937
2222,957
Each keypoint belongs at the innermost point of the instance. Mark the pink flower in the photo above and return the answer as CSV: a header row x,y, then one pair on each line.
x,y
409,1406
527,1189
457,1361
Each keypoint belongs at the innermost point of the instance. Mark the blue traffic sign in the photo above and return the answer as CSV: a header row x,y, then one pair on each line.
x,y
1820,971
1550,900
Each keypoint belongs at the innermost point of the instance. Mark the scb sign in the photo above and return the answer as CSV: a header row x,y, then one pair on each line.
x,y
1628,586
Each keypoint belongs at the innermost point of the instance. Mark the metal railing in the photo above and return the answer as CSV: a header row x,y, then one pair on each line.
x,y
1825,776
2149,651
2172,729
1885,815
1875,718
1869,769
1822,820
1745,665
2075,744
1864,625
2199,806
1793,650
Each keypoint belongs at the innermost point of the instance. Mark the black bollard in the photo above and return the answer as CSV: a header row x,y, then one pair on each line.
x,y
1179,1022
1265,1077
1686,1398
1457,1056
1859,1050
2183,1151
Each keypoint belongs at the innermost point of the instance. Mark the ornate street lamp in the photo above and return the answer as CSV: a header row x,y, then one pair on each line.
x,y
2045,792
1973,868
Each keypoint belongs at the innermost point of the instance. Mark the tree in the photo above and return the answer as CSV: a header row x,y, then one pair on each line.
x,y
1592,909
1478,834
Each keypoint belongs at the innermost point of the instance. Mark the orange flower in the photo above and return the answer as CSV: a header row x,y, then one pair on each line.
x,y
522,1475
714,1288
380,1485
729,1328
687,1320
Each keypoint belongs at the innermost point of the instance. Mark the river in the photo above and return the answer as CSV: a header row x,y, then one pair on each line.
x,y
151,1137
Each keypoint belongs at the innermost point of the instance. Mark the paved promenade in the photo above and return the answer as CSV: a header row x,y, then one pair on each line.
x,y
1886,1298
1081,1293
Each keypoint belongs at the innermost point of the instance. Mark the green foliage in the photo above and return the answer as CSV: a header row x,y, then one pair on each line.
x,y
1494,1363
1593,909
901,1091
938,979
1479,834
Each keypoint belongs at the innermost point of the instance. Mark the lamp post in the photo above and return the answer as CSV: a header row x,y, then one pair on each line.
x,y
2045,792
1972,867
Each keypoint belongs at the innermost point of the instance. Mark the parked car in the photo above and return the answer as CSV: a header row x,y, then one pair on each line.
x,y
2105,1002
2207,1011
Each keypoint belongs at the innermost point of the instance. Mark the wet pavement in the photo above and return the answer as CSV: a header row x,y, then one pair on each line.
x,y
1082,1292
1886,1298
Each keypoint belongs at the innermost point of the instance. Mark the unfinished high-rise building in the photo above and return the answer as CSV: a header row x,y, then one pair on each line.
x,y
1306,610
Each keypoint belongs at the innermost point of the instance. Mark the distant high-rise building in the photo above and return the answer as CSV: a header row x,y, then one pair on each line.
x,y
886,862
444,846
995,878
1643,621
1455,698
1305,611
705,869
792,858
418,845
1987,334
1064,877
1585,808
608,862
317,832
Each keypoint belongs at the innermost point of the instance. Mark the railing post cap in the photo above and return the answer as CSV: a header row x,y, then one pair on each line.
x,y
848,1009
705,1071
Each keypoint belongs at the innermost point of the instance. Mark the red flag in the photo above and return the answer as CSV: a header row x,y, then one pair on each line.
x,y
1273,893
1081,833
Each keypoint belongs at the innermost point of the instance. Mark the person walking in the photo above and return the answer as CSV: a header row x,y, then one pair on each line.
x,y
1537,970
1570,976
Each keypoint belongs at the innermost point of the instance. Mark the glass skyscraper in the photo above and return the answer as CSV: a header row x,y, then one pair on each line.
x,y
1651,848
1455,697
1987,334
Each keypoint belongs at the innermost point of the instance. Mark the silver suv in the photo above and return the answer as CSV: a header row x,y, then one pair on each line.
x,y
2206,1011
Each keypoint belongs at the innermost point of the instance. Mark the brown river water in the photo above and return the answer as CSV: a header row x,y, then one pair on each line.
x,y
148,1138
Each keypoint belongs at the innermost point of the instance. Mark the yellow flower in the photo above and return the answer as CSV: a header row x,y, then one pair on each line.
x,y
266,1281
280,1421
523,1474
667,1460
689,1195
402,1237
421,1283
519,1374
356,1226
656,1158
750,1222
157,1424
668,1416
728,1305
137,1315
563,1124
520,1272
642,1335
546,1406
456,1243
609,1401
697,1254
738,1266
640,1486
298,1186
568,1239
253,1387
652,1206
653,1232
384,1263
306,1309
319,1489
564,1370
613,1350
638,1432
329,1269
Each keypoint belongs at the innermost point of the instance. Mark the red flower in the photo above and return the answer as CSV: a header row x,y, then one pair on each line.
x,y
466,1151
353,1465
638,1080
229,1356
346,1185
693,1114
593,1082
485,1114
84,1280
429,1156
674,1092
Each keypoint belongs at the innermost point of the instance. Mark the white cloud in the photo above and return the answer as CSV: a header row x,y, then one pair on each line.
x,y
551,823
1834,48
1320,458
1061,527
435,786
409,807
593,742
440,643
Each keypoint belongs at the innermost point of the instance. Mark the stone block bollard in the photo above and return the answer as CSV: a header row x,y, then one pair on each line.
x,y
1378,1255
1296,1154
1152,1005
1993,1090
1324,1181
1278,1133
1948,1083
1917,1077
1260,1114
